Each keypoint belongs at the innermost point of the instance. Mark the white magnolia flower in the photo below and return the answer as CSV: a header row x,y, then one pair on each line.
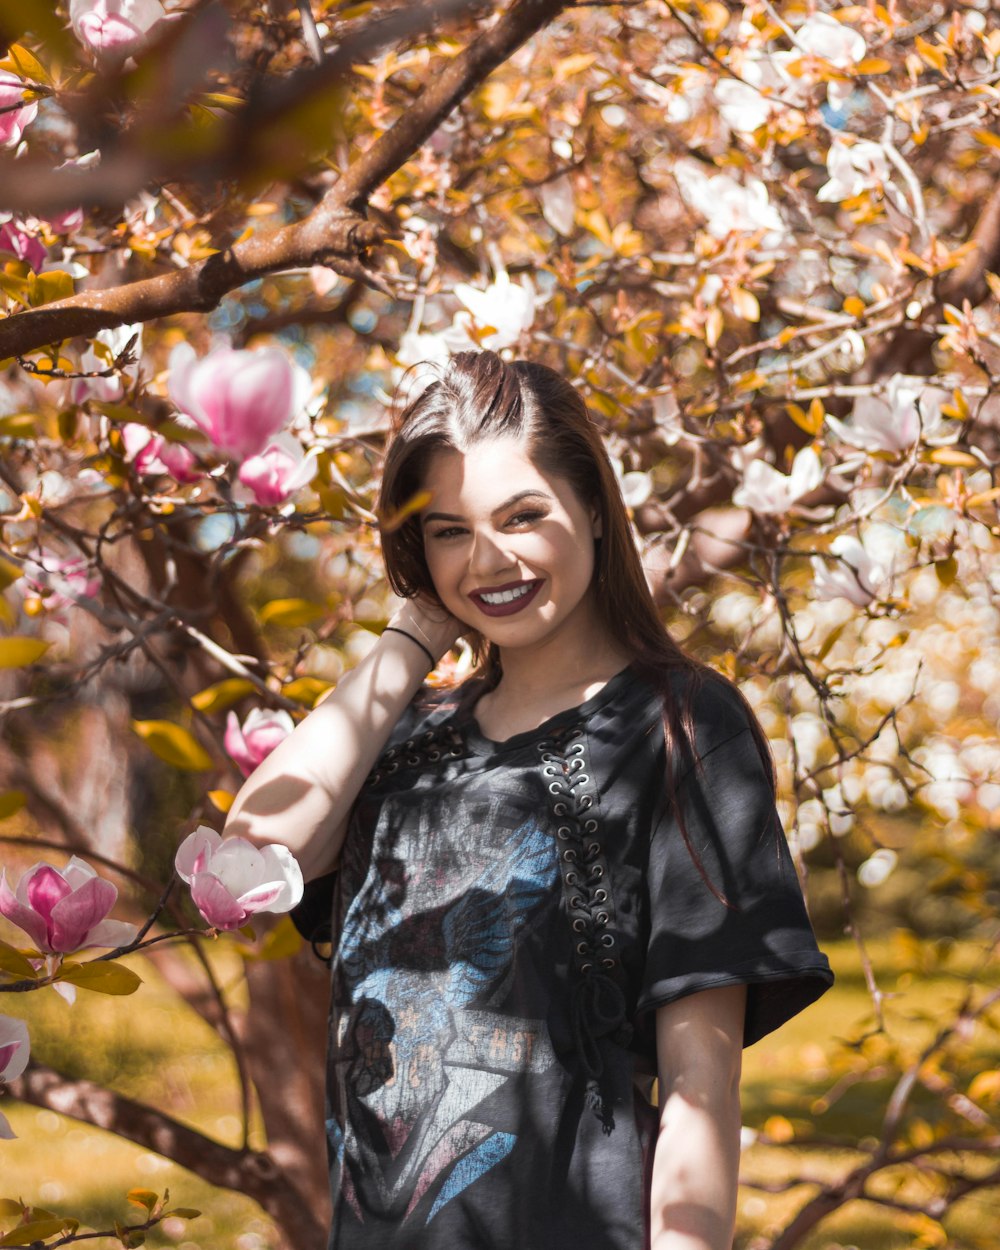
x,y
855,576
764,87
108,389
877,867
558,204
768,491
853,168
823,36
727,204
911,410
508,307
667,415
636,487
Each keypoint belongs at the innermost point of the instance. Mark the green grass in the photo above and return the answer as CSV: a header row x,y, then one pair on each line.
x,y
155,1048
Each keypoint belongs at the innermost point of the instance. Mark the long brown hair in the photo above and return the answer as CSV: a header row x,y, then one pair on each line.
x,y
478,396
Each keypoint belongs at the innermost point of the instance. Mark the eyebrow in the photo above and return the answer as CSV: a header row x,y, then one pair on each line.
x,y
507,503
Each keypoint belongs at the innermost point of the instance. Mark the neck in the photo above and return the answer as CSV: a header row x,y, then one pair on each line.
x,y
568,660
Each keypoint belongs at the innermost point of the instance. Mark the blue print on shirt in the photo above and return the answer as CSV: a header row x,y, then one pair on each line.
x,y
486,1155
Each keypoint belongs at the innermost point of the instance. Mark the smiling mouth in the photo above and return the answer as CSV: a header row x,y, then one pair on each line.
x,y
507,599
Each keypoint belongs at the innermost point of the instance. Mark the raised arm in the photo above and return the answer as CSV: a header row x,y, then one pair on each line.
x,y
302,793
699,1043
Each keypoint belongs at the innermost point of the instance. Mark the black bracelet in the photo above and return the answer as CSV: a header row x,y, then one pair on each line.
x,y
394,629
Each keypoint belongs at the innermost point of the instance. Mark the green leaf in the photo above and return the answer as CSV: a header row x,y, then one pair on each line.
x,y
46,288
174,744
20,652
10,1206
9,573
185,1213
37,1230
222,695
103,977
11,960
11,802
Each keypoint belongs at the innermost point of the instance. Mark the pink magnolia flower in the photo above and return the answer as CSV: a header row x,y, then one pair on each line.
x,y
114,28
231,878
64,909
278,471
14,119
21,241
260,734
152,454
58,582
768,491
14,1048
239,398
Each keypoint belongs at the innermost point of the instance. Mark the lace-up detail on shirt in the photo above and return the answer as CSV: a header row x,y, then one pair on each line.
x,y
597,999
444,742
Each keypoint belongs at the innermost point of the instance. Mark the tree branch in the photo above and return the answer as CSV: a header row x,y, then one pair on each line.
x,y
253,1173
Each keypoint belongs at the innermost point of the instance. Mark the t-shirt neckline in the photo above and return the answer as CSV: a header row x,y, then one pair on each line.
x,y
481,744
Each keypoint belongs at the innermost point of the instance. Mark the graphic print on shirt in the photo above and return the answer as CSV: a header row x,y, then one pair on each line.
x,y
424,956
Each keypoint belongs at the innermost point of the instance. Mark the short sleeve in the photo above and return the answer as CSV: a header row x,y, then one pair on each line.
x,y
758,933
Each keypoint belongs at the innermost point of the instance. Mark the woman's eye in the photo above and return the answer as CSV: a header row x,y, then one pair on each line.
x,y
449,532
525,518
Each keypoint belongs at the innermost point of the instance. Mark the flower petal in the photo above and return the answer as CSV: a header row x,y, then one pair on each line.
x,y
203,841
74,916
216,903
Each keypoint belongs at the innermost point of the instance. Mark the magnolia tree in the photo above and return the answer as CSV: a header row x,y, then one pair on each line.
x,y
763,240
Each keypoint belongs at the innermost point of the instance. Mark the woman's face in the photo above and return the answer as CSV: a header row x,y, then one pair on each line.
x,y
510,547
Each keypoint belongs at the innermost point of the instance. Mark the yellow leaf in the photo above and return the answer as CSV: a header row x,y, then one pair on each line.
x,y
45,288
984,496
952,457
26,65
291,612
746,304
854,306
307,690
19,652
571,65
987,138
778,1129
749,382
18,425
222,694
281,941
715,18
934,56
143,1198
222,799
391,521
11,802
873,65
174,744
596,222
9,573
217,99
985,1086
811,421
714,325
103,977
12,961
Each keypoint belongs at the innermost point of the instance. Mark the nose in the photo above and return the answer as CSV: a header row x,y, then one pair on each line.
x,y
489,555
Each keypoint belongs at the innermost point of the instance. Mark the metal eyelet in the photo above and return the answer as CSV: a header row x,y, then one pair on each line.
x,y
549,771
600,896
607,963
593,848
434,756
556,787
392,766
579,925
413,760
590,826
582,779
571,878
586,802
563,832
569,855
597,872
602,917
559,809
586,968
577,901
607,939
582,948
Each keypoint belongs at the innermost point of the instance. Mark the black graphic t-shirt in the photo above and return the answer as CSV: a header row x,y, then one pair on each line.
x,y
506,918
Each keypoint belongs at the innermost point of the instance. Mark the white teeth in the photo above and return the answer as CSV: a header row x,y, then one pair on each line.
x,y
505,596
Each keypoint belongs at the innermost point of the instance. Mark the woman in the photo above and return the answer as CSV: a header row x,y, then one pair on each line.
x,y
555,882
